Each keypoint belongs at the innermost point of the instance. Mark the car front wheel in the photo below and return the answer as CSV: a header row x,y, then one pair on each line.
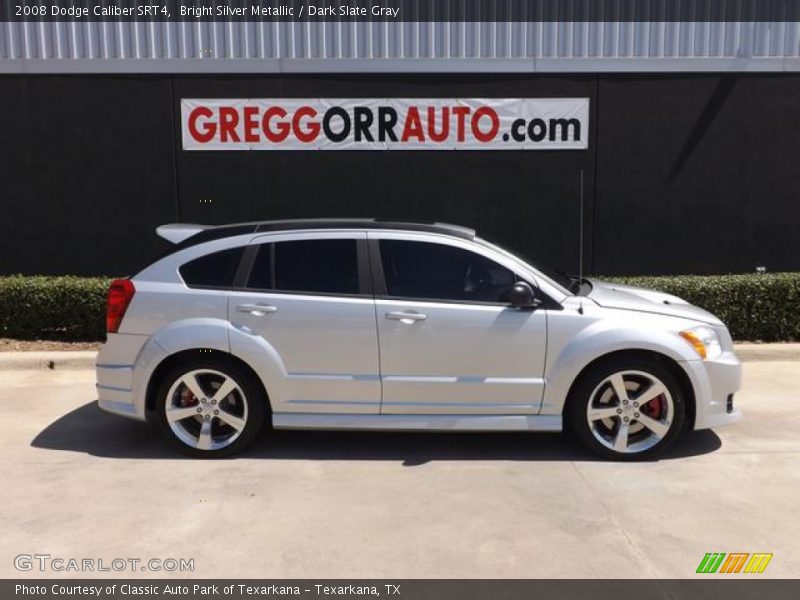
x,y
210,408
627,409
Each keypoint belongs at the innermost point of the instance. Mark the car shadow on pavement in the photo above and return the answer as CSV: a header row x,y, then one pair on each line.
x,y
90,430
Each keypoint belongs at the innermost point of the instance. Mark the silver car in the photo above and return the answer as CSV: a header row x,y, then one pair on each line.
x,y
369,324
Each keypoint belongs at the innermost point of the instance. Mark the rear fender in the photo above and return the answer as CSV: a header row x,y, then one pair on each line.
x,y
213,334
188,334
264,359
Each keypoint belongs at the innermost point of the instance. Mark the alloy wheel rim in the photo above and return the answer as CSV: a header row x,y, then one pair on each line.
x,y
630,411
206,409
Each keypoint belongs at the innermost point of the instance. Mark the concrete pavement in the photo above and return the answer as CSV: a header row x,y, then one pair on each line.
x,y
82,484
47,359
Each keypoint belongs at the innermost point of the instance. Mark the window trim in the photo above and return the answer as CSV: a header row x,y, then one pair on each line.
x,y
379,277
251,252
245,266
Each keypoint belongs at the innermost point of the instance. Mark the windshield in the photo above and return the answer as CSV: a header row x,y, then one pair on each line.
x,y
568,283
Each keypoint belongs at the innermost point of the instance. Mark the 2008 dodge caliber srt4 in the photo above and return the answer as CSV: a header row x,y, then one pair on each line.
x,y
367,324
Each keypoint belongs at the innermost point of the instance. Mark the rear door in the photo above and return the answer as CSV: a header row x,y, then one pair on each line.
x,y
450,342
307,296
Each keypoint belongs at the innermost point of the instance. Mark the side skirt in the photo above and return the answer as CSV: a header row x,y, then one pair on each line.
x,y
418,422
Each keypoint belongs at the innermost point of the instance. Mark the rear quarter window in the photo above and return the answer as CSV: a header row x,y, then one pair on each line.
x,y
216,270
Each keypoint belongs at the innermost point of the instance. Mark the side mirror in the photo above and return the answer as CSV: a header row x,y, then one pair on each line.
x,y
522,296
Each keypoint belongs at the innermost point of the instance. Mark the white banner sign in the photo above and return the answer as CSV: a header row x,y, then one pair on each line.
x,y
386,124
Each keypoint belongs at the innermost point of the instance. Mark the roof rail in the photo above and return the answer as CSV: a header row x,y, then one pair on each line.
x,y
185,234
460,228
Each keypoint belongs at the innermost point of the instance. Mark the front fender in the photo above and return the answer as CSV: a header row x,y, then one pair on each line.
x,y
565,363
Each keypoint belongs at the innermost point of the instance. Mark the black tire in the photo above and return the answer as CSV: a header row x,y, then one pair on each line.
x,y
248,403
593,381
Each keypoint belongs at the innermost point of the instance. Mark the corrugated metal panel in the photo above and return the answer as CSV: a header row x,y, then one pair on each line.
x,y
401,46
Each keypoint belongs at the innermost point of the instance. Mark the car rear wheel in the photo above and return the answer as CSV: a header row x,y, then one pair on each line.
x,y
210,408
627,409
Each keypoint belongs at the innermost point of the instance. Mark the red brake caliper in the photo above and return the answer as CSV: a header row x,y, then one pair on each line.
x,y
187,397
655,408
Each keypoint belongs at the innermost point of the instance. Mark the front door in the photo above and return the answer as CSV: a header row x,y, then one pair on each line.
x,y
450,342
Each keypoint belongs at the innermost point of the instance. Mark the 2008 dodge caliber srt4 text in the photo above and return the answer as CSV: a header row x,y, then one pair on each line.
x,y
367,324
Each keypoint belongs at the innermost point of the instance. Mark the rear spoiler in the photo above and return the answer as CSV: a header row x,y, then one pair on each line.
x,y
178,232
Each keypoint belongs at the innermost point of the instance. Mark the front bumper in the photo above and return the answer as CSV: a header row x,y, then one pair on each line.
x,y
714,382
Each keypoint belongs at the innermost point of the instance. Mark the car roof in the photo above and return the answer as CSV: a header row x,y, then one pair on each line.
x,y
209,233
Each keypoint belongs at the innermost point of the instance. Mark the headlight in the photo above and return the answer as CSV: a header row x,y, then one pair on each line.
x,y
704,340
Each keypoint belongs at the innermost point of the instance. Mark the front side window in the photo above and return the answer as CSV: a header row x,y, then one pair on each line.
x,y
313,266
215,270
430,271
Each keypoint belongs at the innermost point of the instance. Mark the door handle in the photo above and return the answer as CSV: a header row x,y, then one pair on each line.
x,y
259,310
406,317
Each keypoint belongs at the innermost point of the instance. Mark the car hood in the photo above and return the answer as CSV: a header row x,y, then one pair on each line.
x,y
627,297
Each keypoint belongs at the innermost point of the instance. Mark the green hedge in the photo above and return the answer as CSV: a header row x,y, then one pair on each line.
x,y
53,308
755,307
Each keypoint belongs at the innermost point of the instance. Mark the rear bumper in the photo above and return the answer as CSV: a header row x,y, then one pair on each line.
x,y
115,399
715,381
119,407
119,390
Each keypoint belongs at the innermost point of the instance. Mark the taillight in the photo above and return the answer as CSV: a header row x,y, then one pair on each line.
x,y
119,297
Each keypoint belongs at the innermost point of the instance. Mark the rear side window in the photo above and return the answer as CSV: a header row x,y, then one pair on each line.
x,y
311,266
430,271
215,270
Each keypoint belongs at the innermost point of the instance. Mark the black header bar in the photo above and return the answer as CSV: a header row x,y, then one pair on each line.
x,y
402,10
